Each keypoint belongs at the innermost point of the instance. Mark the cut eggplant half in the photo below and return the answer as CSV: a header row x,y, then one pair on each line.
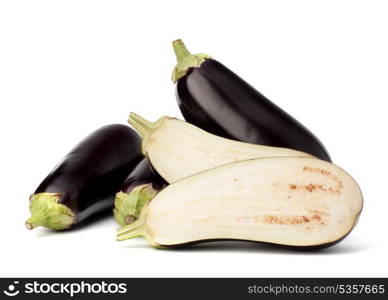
x,y
177,149
294,201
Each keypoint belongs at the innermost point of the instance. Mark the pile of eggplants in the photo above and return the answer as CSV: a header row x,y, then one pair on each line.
x,y
238,168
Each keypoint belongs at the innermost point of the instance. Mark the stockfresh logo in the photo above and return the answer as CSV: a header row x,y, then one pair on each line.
x,y
12,289
71,288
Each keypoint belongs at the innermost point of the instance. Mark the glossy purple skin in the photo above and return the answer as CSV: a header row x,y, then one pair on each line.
x,y
217,100
88,178
143,174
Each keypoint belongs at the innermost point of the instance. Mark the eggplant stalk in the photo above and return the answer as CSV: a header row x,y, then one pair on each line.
x,y
144,127
137,229
180,50
185,60
47,212
128,206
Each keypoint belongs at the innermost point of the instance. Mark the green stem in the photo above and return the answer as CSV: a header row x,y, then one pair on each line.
x,y
129,205
46,211
185,60
136,229
145,128
180,50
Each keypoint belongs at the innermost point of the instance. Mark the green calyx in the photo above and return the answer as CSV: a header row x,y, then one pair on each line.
x,y
47,212
145,128
185,60
128,206
137,229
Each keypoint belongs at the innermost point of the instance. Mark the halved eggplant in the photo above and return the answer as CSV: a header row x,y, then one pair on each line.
x,y
217,100
85,182
293,201
178,149
139,187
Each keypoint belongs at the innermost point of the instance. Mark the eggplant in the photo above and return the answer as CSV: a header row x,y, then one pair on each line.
x,y
85,182
217,100
292,201
139,187
177,149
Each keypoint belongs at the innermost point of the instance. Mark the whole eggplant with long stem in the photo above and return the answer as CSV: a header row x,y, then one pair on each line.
x,y
85,182
141,185
217,100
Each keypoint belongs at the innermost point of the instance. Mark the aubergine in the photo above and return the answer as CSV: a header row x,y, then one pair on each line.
x,y
177,149
217,100
85,182
291,201
139,187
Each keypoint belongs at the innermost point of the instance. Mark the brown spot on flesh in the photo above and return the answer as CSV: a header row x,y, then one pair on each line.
x,y
285,220
292,220
335,190
310,187
317,212
339,183
312,218
316,217
292,186
314,187
316,170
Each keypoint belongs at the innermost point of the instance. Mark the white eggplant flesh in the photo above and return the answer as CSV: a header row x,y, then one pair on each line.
x,y
290,201
177,149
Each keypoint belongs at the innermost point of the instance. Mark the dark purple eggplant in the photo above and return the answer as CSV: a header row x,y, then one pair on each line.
x,y
141,185
85,182
217,100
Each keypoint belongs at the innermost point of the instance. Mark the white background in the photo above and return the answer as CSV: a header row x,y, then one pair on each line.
x,y
69,67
